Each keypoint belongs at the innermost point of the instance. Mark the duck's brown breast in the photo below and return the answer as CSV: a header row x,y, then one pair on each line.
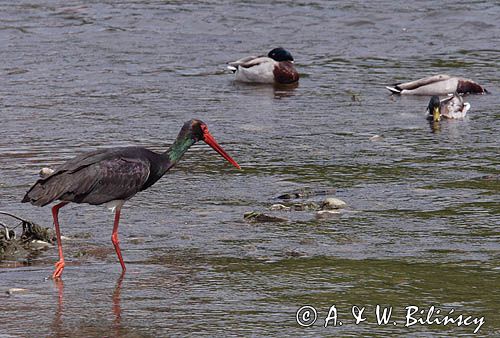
x,y
284,72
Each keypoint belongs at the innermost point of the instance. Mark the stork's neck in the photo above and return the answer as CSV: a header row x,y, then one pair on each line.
x,y
175,152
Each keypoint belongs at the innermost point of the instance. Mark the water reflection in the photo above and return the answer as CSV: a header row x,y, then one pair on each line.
x,y
435,126
284,90
117,310
276,91
61,330
57,323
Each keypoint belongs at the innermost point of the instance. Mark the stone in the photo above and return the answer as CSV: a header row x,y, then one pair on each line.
x,y
376,138
278,206
37,244
44,172
255,216
332,203
13,291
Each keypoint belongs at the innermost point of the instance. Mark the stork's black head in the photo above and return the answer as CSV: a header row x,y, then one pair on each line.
x,y
280,54
194,129
198,131
434,109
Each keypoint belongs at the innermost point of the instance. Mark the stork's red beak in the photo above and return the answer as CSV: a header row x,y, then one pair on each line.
x,y
209,139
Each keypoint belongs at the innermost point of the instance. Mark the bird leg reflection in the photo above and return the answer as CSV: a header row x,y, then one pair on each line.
x,y
117,310
57,323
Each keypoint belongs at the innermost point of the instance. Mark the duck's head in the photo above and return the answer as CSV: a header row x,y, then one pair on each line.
x,y
279,54
434,109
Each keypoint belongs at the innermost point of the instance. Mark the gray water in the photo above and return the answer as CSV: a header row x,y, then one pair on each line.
x,y
422,223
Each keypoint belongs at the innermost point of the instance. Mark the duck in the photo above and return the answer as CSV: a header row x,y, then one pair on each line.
x,y
452,107
277,68
441,84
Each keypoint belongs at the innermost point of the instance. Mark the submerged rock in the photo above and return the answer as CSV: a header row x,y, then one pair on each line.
x,y
376,138
305,193
44,172
332,203
33,237
293,253
291,195
306,206
326,214
278,206
254,216
319,209
13,291
39,245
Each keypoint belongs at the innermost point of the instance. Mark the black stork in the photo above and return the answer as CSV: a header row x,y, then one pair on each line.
x,y
113,176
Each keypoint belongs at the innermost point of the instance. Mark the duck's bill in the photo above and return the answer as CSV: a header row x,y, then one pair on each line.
x,y
209,139
436,115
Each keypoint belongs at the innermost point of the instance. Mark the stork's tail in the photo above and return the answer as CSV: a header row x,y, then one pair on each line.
x,y
39,195
44,191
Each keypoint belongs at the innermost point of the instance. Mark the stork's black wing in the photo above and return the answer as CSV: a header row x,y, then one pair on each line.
x,y
94,178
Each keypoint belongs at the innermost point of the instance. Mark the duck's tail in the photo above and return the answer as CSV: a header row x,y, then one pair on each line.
x,y
232,68
394,90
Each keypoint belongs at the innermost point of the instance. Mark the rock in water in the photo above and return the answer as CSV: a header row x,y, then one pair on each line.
x,y
307,206
278,206
44,172
331,203
327,214
39,245
376,138
255,216
13,291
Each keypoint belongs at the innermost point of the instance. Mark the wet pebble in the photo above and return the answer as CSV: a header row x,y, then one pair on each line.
x,y
332,203
255,216
44,172
291,195
13,291
85,235
305,193
37,244
325,214
305,206
376,138
293,253
278,206
137,240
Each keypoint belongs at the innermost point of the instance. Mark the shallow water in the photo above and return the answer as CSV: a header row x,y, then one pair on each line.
x,y
422,226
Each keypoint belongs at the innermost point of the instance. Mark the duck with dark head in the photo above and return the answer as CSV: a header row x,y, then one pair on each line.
x,y
277,67
441,84
452,107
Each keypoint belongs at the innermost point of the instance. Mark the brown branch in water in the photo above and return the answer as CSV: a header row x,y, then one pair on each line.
x,y
31,230
14,216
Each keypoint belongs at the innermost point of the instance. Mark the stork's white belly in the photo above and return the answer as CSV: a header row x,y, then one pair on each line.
x,y
112,205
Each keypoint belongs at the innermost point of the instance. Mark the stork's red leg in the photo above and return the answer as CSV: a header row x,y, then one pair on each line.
x,y
60,264
114,238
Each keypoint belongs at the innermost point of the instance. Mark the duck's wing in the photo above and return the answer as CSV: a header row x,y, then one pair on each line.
x,y
413,85
256,61
242,60
247,62
422,82
454,107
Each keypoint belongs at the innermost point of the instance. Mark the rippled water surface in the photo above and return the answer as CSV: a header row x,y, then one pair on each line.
x,y
422,223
